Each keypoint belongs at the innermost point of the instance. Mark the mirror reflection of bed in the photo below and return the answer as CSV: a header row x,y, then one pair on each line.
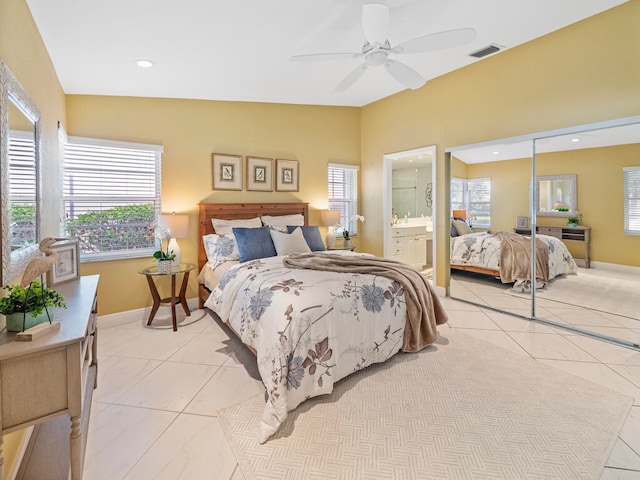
x,y
601,299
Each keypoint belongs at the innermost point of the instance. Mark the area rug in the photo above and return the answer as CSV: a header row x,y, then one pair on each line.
x,y
460,409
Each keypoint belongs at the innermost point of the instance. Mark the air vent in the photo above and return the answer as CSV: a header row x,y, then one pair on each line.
x,y
485,51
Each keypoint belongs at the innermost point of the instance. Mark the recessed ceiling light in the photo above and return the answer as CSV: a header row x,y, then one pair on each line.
x,y
574,140
496,153
142,63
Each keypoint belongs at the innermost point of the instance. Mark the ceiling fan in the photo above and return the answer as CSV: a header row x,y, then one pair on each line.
x,y
377,49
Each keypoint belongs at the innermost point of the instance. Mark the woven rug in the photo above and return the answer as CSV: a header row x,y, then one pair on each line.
x,y
460,409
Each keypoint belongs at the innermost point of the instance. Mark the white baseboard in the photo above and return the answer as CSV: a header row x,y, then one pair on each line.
x,y
615,267
137,315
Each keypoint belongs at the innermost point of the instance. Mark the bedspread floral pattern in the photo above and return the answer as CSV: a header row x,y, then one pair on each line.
x,y
310,328
481,249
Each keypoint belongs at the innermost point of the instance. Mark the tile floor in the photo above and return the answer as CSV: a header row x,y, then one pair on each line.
x,y
154,412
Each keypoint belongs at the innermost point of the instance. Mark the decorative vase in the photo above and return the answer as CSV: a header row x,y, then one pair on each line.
x,y
164,266
15,320
347,243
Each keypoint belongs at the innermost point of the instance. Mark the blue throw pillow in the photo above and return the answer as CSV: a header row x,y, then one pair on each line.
x,y
312,235
254,243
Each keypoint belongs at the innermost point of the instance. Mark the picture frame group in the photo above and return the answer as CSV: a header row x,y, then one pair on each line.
x,y
261,176
67,266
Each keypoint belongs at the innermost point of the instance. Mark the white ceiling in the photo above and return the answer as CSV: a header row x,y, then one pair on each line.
x,y
240,49
494,152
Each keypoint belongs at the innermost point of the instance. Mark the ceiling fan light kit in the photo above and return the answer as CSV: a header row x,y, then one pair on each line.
x,y
377,48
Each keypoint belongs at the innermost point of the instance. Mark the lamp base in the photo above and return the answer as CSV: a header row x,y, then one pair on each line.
x,y
173,246
331,238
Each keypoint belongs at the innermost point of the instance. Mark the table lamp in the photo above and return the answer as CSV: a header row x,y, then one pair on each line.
x,y
178,226
330,218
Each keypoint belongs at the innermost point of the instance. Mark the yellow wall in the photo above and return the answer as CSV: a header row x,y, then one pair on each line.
x,y
190,131
22,50
586,72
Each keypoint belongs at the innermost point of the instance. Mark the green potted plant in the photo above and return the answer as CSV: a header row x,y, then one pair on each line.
x,y
29,306
573,221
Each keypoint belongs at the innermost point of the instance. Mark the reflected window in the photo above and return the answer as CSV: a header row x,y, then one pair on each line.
x,y
22,188
474,196
632,200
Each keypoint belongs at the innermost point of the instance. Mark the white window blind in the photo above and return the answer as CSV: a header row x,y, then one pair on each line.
x,y
343,194
474,196
631,200
111,193
22,188
479,210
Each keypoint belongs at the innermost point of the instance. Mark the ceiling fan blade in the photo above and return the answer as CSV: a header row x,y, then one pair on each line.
x,y
436,41
375,22
351,78
404,74
319,57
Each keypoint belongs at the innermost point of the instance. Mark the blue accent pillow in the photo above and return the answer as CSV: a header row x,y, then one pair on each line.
x,y
312,235
254,243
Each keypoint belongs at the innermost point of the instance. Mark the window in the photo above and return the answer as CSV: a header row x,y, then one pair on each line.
x,y
111,194
474,196
22,188
343,194
632,200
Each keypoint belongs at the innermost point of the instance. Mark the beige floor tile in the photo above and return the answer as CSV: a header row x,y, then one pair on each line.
x,y
470,319
510,323
599,374
499,338
631,373
116,375
550,346
606,352
237,474
623,456
205,349
192,447
227,387
118,436
171,386
617,474
630,433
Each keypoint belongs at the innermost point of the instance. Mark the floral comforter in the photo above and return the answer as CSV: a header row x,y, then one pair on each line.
x,y
309,328
482,249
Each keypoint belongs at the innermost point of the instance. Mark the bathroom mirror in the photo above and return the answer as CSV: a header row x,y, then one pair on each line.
x,y
19,176
556,196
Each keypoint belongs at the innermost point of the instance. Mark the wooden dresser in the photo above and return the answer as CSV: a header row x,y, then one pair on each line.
x,y
45,380
576,234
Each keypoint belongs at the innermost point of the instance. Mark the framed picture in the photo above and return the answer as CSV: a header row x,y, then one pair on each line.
x,y
260,174
227,171
522,222
67,266
287,176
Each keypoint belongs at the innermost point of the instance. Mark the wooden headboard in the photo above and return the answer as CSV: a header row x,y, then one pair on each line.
x,y
235,211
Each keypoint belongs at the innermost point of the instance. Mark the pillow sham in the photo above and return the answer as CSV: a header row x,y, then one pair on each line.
x,y
220,248
283,220
287,243
312,236
254,243
461,226
223,227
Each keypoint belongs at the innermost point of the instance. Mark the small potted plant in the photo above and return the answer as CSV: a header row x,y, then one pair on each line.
x,y
164,257
27,307
345,232
573,221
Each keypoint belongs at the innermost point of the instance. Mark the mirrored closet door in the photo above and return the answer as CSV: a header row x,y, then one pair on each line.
x,y
578,205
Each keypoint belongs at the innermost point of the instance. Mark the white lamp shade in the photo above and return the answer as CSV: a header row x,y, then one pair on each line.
x,y
177,224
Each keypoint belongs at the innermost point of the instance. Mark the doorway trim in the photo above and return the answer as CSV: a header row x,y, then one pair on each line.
x,y
387,164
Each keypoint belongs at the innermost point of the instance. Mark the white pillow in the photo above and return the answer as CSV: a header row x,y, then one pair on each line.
x,y
461,227
220,248
224,227
296,219
287,243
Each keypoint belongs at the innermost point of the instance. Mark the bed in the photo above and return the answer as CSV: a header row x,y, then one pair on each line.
x,y
312,318
507,256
